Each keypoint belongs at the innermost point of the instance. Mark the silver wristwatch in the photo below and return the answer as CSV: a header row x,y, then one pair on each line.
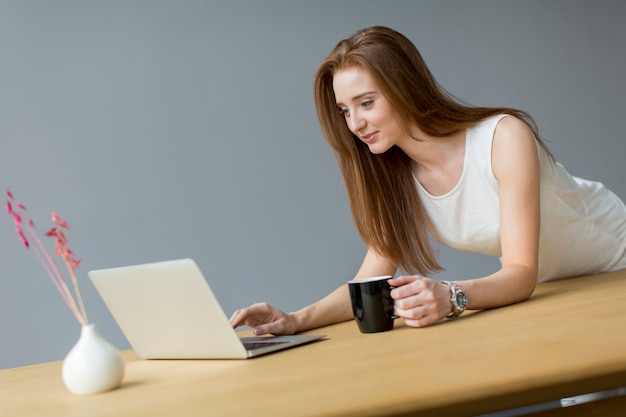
x,y
458,298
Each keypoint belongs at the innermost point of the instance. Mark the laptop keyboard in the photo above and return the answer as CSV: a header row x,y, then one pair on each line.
x,y
257,345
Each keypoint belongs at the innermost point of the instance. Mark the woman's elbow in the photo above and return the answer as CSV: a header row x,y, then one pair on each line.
x,y
528,286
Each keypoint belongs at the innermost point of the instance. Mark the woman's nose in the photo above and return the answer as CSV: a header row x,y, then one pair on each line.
x,y
356,124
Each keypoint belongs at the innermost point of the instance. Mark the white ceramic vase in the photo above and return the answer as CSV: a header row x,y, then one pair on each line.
x,y
93,365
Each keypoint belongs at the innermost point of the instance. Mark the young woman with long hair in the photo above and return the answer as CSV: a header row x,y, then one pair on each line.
x,y
420,165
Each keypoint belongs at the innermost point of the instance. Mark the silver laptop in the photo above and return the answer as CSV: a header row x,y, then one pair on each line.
x,y
167,310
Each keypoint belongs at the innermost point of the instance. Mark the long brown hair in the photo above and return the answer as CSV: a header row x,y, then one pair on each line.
x,y
384,201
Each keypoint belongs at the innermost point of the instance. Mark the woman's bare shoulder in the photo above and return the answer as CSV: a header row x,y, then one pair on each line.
x,y
511,125
514,146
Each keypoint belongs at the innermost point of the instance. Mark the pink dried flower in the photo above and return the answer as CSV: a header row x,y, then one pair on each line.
x,y
47,260
17,219
59,222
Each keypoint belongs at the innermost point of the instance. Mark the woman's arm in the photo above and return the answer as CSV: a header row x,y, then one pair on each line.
x,y
333,308
336,307
515,165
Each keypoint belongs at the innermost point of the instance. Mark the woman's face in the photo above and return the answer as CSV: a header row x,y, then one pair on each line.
x,y
367,112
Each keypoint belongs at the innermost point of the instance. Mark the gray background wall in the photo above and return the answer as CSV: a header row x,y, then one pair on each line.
x,y
167,129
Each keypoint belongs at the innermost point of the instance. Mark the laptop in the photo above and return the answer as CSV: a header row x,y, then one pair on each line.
x,y
167,310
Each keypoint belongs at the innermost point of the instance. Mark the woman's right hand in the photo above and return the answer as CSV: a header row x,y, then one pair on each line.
x,y
264,319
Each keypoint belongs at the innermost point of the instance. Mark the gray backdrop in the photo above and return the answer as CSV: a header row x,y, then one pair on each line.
x,y
167,129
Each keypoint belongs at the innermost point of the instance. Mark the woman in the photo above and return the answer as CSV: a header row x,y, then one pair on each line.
x,y
418,164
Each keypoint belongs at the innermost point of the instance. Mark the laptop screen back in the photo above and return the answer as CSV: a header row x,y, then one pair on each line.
x,y
167,310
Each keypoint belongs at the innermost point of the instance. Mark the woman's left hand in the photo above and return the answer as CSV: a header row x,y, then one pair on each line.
x,y
420,301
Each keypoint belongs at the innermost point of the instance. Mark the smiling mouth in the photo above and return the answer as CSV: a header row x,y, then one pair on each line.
x,y
369,137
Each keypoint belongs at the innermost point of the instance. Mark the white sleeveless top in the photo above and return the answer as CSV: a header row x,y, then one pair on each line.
x,y
583,224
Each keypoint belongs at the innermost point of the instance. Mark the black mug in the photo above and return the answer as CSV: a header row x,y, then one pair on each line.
x,y
372,304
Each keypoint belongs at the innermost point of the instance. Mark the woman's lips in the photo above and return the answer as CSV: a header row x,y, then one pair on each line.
x,y
370,137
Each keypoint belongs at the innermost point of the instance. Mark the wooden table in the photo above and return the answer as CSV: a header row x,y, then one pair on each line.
x,y
568,339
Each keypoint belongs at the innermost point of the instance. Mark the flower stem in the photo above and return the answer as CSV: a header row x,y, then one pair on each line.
x,y
57,278
77,292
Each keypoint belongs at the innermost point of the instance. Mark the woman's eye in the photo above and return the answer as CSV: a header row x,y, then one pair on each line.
x,y
367,103
344,112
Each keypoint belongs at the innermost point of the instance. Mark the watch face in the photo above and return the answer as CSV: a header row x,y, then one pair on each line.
x,y
461,300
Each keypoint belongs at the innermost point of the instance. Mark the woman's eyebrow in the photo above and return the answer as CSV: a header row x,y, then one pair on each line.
x,y
358,97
